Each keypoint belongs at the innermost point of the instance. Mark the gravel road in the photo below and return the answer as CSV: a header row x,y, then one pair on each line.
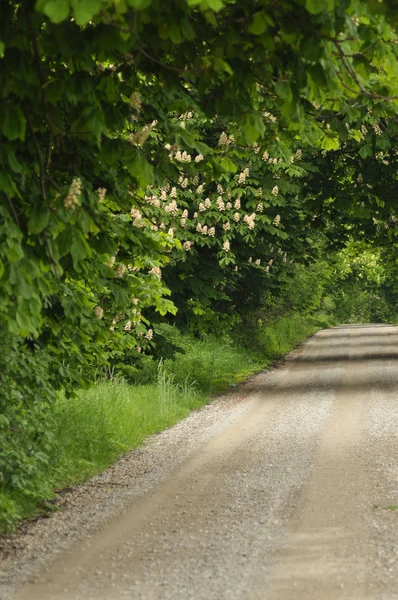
x,y
283,490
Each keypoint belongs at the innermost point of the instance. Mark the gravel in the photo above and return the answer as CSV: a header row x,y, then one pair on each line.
x,y
283,489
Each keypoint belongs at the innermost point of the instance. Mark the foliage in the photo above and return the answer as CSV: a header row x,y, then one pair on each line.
x,y
199,162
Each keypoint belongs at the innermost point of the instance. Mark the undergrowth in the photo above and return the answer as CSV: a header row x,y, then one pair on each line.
x,y
93,429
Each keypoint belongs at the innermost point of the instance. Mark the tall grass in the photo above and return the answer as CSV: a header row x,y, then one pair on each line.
x,y
96,427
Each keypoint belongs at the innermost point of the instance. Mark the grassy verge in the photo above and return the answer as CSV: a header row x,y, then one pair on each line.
x,y
96,427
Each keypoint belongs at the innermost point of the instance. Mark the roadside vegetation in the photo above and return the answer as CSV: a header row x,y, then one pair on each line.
x,y
177,213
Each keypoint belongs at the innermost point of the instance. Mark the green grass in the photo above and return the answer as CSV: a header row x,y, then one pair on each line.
x,y
99,425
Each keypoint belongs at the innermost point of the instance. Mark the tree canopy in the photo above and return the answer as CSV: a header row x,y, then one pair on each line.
x,y
178,160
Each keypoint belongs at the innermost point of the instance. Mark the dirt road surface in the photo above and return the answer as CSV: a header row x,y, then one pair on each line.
x,y
284,491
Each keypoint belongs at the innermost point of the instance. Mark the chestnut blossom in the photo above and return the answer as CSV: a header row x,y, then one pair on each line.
x,y
199,189
111,261
260,207
277,220
226,246
223,140
207,203
201,207
156,271
172,208
149,334
228,206
227,226
220,189
257,262
101,194
236,217
120,270
187,245
199,158
237,203
275,190
99,312
72,200
212,231
127,327
220,203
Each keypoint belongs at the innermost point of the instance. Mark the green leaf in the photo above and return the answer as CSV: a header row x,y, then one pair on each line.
x,y
57,10
317,6
14,123
14,163
139,4
1,268
141,170
283,89
330,143
259,23
220,64
229,165
85,10
38,220
79,248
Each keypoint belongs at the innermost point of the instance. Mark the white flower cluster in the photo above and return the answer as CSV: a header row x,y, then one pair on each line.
x,y
228,206
277,220
111,261
120,271
270,117
249,219
256,148
242,176
201,207
224,140
172,208
207,203
187,245
220,189
260,207
265,156
199,158
101,194
226,246
72,198
364,129
153,200
275,190
237,203
173,193
236,217
257,261
139,137
183,181
377,129
180,156
220,204
99,312
149,334
199,189
227,226
156,271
